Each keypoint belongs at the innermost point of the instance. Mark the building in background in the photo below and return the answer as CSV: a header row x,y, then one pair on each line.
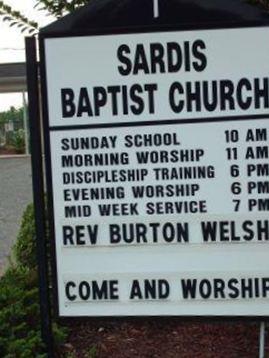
x,y
14,138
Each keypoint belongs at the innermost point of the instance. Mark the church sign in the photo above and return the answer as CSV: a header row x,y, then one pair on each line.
x,y
158,160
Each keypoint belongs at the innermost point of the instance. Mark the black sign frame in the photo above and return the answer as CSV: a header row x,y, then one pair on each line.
x,y
120,31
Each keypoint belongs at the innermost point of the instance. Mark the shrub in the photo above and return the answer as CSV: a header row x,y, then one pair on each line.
x,y
25,247
19,301
18,141
19,314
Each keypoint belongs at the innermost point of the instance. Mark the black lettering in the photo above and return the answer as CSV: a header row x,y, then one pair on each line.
x,y
232,285
156,55
243,101
84,290
127,68
175,90
140,60
188,288
174,57
100,99
136,291
68,106
68,294
200,65
226,95
84,104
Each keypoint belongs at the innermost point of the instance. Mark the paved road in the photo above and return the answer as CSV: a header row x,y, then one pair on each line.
x,y
15,194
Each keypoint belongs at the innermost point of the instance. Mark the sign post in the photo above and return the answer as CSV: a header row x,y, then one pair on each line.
x,y
156,8
39,194
262,340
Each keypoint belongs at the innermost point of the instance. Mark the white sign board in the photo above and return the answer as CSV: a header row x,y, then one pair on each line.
x,y
159,160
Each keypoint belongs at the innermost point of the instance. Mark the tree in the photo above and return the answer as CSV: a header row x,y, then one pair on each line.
x,y
12,115
57,8
15,18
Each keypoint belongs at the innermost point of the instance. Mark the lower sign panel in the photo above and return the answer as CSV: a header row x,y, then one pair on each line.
x,y
162,220
144,282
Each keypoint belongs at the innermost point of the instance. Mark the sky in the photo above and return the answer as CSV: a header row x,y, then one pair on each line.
x,y
12,43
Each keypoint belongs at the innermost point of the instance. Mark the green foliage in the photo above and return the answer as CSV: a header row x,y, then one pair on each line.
x,y
19,300
18,141
91,353
12,115
15,18
70,355
25,247
58,8
19,314
16,138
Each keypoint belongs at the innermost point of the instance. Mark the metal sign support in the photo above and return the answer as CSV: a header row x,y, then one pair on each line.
x,y
156,8
262,340
25,120
38,192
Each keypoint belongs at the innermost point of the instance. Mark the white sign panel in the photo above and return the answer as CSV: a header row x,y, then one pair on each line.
x,y
159,154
